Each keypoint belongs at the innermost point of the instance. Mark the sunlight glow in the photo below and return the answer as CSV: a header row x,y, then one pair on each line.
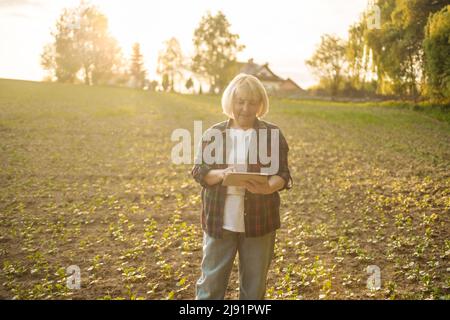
x,y
283,33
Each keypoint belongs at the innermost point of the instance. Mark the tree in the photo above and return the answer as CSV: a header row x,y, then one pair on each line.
x,y
137,69
215,49
165,82
437,53
100,54
397,47
357,56
328,62
82,44
391,57
60,57
170,63
189,84
152,85
410,16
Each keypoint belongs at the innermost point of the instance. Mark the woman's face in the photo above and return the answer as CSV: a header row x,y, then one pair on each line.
x,y
245,108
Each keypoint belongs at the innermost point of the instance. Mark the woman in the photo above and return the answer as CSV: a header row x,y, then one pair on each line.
x,y
240,219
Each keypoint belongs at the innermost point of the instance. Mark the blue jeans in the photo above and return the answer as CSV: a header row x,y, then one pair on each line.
x,y
255,255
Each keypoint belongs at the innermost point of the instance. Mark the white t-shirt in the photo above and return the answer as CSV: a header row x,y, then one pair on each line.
x,y
233,217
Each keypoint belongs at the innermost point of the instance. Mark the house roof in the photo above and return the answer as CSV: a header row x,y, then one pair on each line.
x,y
249,67
295,84
263,72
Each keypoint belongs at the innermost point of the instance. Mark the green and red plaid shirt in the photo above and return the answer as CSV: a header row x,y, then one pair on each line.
x,y
261,211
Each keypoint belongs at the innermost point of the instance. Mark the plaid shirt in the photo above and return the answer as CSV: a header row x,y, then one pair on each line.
x,y
261,211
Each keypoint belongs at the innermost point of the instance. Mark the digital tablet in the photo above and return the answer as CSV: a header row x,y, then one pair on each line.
x,y
237,179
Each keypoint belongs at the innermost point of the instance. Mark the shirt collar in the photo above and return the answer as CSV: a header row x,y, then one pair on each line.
x,y
258,124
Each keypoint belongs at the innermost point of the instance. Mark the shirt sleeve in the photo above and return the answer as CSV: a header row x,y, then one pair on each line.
x,y
283,170
200,168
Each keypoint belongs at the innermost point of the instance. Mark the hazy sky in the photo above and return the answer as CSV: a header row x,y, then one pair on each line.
x,y
281,32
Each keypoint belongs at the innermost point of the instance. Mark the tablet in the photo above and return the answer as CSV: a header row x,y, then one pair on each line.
x,y
237,179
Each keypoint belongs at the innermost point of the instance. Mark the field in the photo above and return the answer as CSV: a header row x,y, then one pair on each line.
x,y
86,179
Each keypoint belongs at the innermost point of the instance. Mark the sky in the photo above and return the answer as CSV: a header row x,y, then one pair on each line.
x,y
283,33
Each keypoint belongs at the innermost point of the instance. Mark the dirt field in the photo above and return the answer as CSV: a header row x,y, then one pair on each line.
x,y
86,179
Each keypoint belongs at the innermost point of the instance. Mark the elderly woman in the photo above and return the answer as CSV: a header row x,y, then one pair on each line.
x,y
240,219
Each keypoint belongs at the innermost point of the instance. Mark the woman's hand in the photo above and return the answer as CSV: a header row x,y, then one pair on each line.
x,y
227,170
217,175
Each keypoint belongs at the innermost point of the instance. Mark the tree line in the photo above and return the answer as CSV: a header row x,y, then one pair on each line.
x,y
83,50
407,55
